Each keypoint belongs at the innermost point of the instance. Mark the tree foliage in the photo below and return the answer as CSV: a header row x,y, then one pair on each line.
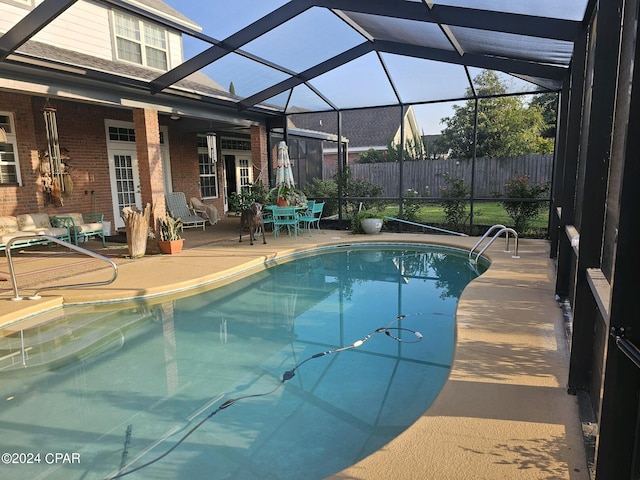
x,y
507,126
548,105
413,150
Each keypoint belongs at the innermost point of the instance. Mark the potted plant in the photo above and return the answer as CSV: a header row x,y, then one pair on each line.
x,y
170,239
282,199
367,221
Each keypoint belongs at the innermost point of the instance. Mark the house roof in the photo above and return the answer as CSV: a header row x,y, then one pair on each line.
x,y
318,55
165,10
366,128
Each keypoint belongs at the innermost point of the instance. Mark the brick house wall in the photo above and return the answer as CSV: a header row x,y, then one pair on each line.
x,y
260,153
81,131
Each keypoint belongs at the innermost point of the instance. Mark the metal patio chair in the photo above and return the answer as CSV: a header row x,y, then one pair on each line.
x,y
285,217
311,217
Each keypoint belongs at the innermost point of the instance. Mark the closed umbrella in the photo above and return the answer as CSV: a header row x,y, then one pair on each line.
x,y
284,174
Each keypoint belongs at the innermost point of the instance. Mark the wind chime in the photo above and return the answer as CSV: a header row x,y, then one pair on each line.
x,y
56,178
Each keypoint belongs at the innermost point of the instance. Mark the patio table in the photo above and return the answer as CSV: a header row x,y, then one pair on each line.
x,y
285,217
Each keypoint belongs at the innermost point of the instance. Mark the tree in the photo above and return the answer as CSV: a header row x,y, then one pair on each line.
x,y
548,105
506,125
413,150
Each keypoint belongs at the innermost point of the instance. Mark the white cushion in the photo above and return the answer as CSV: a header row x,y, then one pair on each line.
x,y
54,232
89,227
4,239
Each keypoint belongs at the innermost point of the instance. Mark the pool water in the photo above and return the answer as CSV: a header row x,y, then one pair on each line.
x,y
109,388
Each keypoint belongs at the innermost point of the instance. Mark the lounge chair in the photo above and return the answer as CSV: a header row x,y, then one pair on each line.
x,y
178,208
207,211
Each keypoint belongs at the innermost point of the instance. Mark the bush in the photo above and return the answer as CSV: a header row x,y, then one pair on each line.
x,y
410,208
524,212
351,188
324,189
455,209
248,194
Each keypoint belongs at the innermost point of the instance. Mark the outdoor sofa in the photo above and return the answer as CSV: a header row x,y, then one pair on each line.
x,y
81,225
27,225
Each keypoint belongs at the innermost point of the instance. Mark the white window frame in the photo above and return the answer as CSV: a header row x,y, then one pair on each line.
x,y
143,41
203,153
11,140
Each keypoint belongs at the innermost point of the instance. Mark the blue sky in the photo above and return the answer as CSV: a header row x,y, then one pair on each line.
x,y
231,16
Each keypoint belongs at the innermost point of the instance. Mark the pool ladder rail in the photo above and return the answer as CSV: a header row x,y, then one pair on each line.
x,y
36,295
501,229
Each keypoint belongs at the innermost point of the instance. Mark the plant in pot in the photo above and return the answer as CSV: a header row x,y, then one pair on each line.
x,y
170,239
367,221
282,197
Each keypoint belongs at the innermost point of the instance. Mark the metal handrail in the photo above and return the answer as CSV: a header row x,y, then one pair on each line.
x,y
426,226
36,295
502,230
629,349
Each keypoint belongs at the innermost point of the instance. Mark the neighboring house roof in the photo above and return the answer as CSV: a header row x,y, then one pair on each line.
x,y
161,8
365,128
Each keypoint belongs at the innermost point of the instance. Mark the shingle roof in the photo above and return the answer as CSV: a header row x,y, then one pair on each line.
x,y
197,82
370,127
165,10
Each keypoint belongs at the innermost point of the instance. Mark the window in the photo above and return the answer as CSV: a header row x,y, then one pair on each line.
x,y
122,134
244,172
140,42
235,144
208,175
9,165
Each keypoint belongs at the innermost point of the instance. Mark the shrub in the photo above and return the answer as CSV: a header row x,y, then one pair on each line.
x,y
455,207
324,189
410,208
524,212
250,193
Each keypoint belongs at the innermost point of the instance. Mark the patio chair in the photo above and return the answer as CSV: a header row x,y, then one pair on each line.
x,y
267,218
311,217
207,211
178,208
285,217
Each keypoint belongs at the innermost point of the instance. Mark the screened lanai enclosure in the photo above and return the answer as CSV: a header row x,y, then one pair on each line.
x,y
275,64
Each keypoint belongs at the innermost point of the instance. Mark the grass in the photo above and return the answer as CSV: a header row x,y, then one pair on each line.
x,y
485,213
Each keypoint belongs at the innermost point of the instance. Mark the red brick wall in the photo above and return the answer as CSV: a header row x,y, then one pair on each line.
x,y
13,199
260,154
145,123
185,171
81,129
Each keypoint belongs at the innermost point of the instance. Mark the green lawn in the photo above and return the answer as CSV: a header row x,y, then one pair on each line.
x,y
485,213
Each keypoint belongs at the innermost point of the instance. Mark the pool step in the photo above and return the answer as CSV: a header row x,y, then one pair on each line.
x,y
64,338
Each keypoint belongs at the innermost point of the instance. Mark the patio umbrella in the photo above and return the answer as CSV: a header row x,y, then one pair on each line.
x,y
284,174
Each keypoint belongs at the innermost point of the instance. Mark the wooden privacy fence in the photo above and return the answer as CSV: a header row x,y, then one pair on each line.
x,y
427,177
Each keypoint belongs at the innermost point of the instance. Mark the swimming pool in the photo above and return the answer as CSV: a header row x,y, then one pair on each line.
x,y
115,389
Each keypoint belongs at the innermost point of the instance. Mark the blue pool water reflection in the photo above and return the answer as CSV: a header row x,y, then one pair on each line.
x,y
119,387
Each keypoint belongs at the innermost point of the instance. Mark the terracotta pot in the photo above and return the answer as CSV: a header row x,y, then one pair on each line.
x,y
282,202
170,246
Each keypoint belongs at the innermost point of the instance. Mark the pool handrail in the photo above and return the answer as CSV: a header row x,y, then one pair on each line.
x,y
426,226
36,295
502,230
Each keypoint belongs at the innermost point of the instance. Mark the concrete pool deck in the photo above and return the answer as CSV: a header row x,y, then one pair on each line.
x,y
504,413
